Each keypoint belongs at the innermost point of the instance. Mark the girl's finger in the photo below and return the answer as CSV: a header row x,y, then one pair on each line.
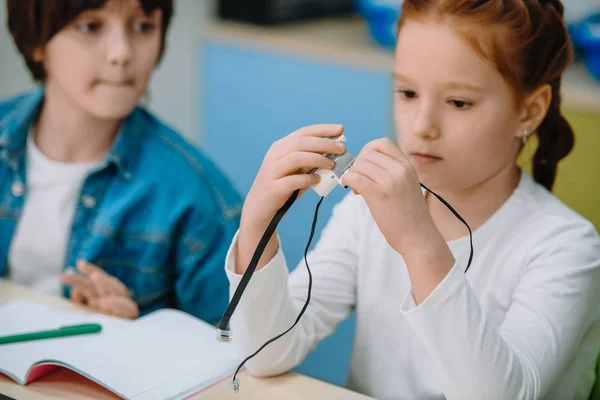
x,y
293,162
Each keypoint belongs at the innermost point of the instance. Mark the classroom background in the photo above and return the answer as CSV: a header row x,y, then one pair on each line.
x,y
234,85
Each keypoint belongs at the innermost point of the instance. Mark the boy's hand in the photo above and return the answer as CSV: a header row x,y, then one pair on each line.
x,y
100,291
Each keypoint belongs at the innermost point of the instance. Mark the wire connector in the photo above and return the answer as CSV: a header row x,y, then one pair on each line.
x,y
235,385
224,336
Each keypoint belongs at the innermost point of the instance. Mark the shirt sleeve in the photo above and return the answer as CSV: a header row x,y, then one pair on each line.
x,y
200,284
555,302
273,300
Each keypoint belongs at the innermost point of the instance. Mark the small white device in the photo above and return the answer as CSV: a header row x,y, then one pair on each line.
x,y
332,177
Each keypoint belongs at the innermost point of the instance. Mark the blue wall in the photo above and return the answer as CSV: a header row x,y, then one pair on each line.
x,y
252,98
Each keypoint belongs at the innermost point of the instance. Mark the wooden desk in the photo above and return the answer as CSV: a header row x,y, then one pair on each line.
x,y
65,384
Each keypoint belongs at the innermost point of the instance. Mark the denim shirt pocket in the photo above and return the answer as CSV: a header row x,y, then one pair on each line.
x,y
140,261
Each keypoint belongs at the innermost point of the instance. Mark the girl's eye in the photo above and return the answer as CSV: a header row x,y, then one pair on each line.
x,y
461,104
407,94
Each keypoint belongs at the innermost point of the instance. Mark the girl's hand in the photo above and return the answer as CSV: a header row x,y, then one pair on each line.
x,y
283,171
390,186
386,179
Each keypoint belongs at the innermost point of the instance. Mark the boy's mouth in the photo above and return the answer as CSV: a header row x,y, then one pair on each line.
x,y
115,83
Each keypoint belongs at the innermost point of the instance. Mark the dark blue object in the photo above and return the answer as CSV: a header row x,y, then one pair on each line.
x,y
586,38
382,17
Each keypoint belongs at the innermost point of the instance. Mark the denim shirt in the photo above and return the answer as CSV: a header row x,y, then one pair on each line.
x,y
157,214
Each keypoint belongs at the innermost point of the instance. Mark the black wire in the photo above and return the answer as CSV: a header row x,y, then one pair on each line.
x,y
261,247
224,323
312,233
457,215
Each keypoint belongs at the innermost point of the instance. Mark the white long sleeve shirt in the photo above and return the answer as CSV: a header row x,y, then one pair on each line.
x,y
522,323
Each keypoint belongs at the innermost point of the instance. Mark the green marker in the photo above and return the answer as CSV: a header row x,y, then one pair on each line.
x,y
72,330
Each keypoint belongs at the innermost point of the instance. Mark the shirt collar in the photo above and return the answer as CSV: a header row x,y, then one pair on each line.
x,y
15,126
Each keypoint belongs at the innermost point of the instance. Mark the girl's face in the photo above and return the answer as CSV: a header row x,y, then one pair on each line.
x,y
101,62
456,117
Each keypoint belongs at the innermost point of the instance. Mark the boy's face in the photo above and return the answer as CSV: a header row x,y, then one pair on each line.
x,y
453,105
102,61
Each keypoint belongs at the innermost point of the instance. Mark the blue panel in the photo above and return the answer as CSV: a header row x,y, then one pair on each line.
x,y
253,98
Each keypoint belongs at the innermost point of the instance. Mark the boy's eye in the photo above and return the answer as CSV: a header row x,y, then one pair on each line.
x,y
145,26
89,27
460,104
407,94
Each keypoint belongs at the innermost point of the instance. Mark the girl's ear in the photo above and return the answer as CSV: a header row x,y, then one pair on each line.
x,y
535,108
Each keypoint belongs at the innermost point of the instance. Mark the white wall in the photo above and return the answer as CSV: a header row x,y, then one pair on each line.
x,y
173,89
14,75
575,10
173,86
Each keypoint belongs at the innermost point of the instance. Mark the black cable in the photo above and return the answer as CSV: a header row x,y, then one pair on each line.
x,y
223,325
310,238
457,215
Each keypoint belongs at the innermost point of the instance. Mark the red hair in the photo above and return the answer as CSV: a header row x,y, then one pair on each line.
x,y
528,42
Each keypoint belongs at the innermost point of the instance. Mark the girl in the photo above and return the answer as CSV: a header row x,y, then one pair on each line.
x,y
90,181
473,80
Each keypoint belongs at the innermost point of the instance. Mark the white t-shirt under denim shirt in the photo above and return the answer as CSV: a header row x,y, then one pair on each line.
x,y
522,323
37,252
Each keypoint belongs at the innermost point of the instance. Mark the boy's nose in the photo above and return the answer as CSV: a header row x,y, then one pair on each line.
x,y
119,50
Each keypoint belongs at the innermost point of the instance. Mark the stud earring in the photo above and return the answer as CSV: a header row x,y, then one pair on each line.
x,y
525,136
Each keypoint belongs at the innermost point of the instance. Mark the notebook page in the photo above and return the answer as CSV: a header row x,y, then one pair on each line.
x,y
161,356
23,316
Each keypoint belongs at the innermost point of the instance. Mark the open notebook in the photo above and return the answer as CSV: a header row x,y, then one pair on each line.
x,y
164,355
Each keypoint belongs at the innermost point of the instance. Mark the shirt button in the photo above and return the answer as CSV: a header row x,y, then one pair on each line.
x,y
88,201
17,188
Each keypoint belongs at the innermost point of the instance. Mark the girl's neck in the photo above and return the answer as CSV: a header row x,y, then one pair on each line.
x,y
475,204
66,133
